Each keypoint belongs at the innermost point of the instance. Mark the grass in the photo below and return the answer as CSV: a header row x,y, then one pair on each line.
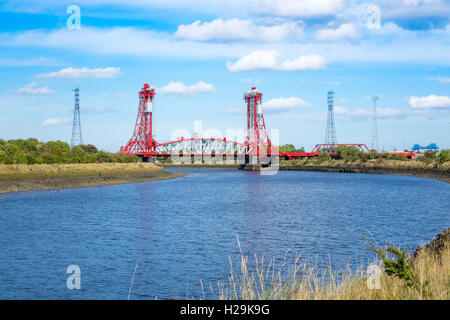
x,y
22,171
304,281
19,177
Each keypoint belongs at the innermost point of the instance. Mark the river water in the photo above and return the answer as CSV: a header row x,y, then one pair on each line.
x,y
175,233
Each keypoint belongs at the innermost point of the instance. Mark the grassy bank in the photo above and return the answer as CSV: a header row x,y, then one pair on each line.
x,y
57,176
378,166
423,275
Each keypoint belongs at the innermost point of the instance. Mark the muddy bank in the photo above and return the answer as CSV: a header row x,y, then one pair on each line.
x,y
202,166
443,175
400,168
14,178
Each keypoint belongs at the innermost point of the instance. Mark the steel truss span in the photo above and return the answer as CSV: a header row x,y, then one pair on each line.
x,y
202,146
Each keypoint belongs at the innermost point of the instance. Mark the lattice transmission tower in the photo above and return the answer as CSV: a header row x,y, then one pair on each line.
x,y
330,134
76,129
374,124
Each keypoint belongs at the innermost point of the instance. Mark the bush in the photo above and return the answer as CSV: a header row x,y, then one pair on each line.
x,y
348,153
373,154
430,155
324,156
444,156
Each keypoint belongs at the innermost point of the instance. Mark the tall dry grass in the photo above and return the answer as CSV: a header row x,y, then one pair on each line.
x,y
306,281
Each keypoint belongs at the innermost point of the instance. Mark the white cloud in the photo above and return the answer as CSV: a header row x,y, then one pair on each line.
x,y
30,89
54,122
415,8
236,29
346,31
77,73
128,41
180,89
297,8
284,104
257,60
443,80
268,60
431,101
309,62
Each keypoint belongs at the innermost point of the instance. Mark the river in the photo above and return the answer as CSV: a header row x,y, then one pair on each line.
x,y
178,232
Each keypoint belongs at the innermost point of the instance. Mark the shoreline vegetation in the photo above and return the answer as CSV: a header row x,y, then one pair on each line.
x,y
396,167
18,177
423,275
349,159
30,164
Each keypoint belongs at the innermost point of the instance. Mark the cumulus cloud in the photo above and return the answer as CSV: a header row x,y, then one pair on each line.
x,y
130,41
236,29
77,73
180,89
284,104
346,31
431,101
30,89
268,60
297,8
54,122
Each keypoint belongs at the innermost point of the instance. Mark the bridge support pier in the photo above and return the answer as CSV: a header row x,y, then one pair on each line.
x,y
148,159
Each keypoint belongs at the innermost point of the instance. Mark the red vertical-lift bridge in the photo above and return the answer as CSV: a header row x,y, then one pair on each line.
x,y
143,143
256,145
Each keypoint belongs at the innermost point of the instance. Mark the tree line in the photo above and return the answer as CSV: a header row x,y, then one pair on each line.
x,y
33,151
351,153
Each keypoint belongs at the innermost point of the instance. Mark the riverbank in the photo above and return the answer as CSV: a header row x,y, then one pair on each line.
x,y
424,275
398,167
14,178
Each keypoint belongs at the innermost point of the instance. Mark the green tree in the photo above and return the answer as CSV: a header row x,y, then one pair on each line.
x,y
373,154
89,148
348,153
287,148
2,156
444,156
102,156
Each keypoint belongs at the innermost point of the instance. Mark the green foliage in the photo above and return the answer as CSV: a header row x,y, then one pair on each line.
x,y
89,148
444,156
396,264
373,154
32,151
395,156
429,155
348,153
365,157
290,148
324,157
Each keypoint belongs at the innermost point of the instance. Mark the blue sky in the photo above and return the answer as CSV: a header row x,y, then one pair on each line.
x,y
203,55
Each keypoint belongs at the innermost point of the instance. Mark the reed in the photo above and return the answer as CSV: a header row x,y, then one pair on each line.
x,y
306,281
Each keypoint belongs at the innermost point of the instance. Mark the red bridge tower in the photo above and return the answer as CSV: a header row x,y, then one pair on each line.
x,y
142,143
259,144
